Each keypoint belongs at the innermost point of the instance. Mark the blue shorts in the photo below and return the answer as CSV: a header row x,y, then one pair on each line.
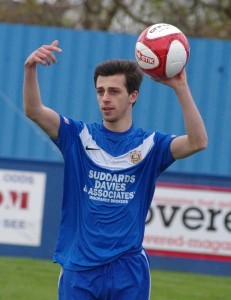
x,y
127,278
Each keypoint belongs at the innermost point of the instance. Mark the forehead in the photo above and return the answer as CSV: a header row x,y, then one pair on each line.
x,y
117,81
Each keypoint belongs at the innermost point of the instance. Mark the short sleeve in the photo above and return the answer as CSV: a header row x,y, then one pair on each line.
x,y
69,130
162,142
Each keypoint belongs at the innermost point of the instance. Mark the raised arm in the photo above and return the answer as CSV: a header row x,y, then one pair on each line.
x,y
34,109
195,138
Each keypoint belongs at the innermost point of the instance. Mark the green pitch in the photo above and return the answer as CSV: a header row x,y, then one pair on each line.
x,y
37,279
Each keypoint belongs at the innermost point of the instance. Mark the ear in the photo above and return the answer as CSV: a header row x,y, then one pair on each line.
x,y
133,97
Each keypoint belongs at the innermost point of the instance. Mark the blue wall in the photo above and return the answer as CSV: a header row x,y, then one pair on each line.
x,y
68,88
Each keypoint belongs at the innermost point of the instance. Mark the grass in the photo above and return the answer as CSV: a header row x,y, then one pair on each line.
x,y
29,279
188,286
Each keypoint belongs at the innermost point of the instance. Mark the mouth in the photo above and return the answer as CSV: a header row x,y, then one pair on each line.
x,y
107,109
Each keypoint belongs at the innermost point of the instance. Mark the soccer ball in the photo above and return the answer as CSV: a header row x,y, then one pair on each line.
x,y
162,50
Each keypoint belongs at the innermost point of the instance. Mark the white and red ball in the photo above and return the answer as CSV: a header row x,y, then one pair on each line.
x,y
162,50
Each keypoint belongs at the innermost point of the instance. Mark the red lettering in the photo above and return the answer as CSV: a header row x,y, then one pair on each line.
x,y
24,200
14,199
145,58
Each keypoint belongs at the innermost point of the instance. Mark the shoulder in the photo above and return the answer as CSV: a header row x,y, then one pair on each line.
x,y
163,136
70,123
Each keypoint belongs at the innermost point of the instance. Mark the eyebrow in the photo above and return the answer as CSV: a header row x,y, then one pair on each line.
x,y
109,88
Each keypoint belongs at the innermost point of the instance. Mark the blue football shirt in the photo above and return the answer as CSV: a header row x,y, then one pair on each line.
x,y
109,182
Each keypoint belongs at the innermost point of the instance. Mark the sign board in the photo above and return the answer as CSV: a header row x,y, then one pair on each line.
x,y
22,195
191,221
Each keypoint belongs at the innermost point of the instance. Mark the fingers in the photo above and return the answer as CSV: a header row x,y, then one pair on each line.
x,y
174,81
55,43
155,78
44,55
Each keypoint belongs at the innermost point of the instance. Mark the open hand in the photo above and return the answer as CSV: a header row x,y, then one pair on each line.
x,y
174,82
43,55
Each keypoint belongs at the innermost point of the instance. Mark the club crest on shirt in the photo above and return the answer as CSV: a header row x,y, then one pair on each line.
x,y
135,156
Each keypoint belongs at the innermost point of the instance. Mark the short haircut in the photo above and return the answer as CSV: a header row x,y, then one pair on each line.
x,y
132,72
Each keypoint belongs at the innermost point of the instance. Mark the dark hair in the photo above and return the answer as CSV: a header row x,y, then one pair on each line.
x,y
129,68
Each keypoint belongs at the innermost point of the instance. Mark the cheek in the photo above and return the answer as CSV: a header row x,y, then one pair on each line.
x,y
99,100
123,105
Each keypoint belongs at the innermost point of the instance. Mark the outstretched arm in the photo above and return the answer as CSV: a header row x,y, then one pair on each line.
x,y
196,136
45,117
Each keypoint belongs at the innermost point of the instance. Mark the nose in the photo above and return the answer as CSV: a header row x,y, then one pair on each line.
x,y
105,97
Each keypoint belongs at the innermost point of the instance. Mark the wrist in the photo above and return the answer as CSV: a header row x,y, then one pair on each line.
x,y
182,88
29,66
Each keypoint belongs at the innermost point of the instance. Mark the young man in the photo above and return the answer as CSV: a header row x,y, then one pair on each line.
x,y
110,174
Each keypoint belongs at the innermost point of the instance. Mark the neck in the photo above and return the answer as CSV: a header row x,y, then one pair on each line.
x,y
118,127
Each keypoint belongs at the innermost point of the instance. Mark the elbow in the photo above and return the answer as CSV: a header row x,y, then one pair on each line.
x,y
205,145
202,144
28,113
32,112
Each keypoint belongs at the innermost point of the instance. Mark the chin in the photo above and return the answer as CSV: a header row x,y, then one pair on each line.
x,y
109,119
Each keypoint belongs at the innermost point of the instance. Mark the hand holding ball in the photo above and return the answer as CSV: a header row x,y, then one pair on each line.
x,y
162,51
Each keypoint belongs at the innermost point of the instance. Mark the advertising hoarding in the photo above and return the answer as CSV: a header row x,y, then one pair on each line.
x,y
22,197
190,221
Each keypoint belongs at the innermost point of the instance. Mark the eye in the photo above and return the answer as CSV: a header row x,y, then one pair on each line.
x,y
100,92
114,92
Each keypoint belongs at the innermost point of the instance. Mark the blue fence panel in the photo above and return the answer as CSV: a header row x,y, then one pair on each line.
x,y
68,88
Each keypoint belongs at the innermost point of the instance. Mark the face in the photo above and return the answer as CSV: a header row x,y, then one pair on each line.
x,y
114,101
